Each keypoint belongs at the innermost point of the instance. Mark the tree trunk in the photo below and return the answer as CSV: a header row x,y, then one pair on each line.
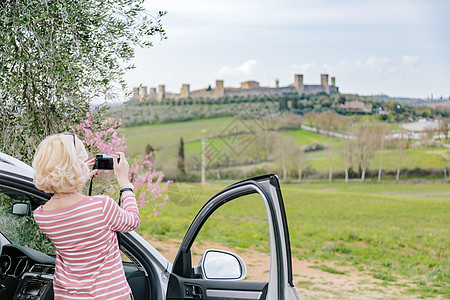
x,y
400,166
346,175
381,160
363,174
379,173
330,174
300,171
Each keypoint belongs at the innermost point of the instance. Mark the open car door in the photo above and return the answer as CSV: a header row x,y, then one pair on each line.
x,y
220,274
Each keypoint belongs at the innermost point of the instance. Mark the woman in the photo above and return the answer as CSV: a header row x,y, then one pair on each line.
x,y
82,228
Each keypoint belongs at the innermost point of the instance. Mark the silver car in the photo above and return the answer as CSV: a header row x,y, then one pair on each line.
x,y
27,273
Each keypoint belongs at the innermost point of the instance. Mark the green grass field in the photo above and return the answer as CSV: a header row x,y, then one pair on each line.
x,y
394,232
305,137
432,158
166,137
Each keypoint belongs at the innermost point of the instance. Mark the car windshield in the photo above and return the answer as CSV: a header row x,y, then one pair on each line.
x,y
21,230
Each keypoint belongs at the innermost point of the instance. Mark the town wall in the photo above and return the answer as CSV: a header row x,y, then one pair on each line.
x,y
247,89
202,94
257,92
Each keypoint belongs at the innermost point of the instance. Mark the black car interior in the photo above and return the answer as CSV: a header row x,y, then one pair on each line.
x,y
28,274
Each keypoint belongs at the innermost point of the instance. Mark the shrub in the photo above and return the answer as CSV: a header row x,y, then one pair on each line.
x,y
103,137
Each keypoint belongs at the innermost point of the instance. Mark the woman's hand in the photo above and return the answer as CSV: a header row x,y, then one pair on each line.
x,y
121,168
90,163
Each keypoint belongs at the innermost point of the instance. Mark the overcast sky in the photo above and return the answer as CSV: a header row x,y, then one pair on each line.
x,y
396,47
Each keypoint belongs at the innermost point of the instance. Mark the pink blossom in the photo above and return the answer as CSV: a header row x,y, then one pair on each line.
x,y
103,137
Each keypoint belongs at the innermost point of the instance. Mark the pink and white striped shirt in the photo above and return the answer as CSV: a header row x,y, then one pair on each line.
x,y
88,262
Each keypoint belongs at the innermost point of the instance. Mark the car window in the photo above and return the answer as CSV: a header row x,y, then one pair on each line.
x,y
241,227
22,230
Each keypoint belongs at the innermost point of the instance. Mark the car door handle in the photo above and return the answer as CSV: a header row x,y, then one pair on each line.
x,y
197,292
193,292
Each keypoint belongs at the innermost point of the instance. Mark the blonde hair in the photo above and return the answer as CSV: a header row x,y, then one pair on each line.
x,y
60,164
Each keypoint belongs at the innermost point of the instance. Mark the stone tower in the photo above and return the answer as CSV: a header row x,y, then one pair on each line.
x,y
219,90
324,83
185,93
333,81
153,94
277,83
136,93
161,92
143,93
298,83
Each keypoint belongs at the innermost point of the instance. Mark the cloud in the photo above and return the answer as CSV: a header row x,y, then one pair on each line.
x,y
372,63
410,60
348,65
377,63
303,68
243,69
328,68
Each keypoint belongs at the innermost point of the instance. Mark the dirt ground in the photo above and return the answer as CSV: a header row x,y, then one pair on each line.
x,y
311,283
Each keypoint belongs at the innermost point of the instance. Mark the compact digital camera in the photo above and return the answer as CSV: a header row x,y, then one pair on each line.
x,y
104,162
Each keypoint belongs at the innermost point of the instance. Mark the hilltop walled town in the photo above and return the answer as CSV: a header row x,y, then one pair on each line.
x,y
247,89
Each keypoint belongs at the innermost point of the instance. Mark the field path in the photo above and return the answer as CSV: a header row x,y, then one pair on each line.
x,y
311,283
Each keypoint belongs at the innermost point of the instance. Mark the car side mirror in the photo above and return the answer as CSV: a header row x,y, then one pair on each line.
x,y
221,265
21,209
